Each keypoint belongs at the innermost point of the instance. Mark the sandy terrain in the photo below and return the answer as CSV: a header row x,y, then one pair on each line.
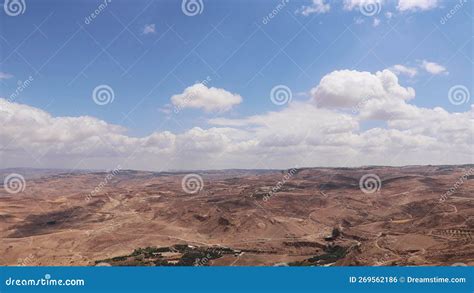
x,y
315,216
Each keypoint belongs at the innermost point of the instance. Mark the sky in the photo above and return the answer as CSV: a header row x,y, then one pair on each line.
x,y
176,85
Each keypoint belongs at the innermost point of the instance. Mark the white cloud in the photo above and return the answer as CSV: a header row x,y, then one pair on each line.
x,y
359,20
209,99
317,6
433,68
402,69
370,7
376,22
149,29
302,133
413,5
350,88
4,75
297,123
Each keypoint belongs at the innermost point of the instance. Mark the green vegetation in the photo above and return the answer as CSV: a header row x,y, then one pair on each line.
x,y
332,254
181,255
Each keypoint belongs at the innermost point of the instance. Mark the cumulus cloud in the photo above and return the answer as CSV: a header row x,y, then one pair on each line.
x,y
350,88
414,5
433,68
149,29
405,70
317,132
317,6
298,123
203,97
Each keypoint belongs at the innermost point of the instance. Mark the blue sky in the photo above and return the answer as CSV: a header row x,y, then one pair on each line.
x,y
229,43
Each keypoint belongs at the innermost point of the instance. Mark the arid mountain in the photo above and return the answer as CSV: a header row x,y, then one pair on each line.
x,y
416,215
